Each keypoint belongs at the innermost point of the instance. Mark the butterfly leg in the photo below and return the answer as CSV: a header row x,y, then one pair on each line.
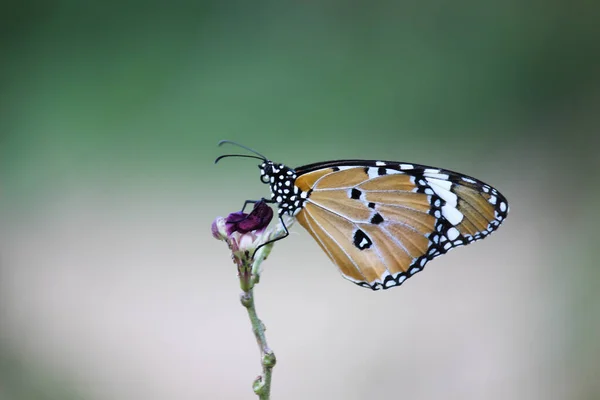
x,y
252,202
256,201
287,233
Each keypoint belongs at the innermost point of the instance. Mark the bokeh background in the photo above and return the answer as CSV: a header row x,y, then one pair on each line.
x,y
111,286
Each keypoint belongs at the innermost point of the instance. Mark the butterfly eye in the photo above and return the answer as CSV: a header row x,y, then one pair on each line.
x,y
264,178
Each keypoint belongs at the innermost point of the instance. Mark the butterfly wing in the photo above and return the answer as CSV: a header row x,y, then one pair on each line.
x,y
381,222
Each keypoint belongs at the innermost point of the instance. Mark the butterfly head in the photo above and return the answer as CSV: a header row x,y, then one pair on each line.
x,y
276,173
289,198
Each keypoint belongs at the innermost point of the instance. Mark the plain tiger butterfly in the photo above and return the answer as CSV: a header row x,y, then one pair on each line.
x,y
380,222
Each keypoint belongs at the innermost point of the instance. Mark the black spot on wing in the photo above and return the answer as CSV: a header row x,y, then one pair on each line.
x,y
361,240
377,219
355,194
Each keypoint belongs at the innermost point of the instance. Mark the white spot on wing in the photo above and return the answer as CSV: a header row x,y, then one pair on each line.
x,y
406,166
503,206
443,177
444,192
449,210
452,214
372,173
444,184
380,163
453,233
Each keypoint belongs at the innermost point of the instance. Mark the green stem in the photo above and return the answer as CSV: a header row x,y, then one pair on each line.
x,y
262,384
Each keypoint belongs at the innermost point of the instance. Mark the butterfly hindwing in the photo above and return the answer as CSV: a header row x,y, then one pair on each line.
x,y
381,222
356,257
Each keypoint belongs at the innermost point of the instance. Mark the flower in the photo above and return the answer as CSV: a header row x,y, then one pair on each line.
x,y
242,223
244,234
257,220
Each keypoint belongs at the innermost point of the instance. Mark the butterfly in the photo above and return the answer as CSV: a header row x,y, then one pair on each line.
x,y
381,222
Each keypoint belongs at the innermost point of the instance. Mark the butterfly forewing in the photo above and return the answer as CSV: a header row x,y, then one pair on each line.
x,y
381,222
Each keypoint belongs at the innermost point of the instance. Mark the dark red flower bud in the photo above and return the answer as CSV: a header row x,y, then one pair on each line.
x,y
259,218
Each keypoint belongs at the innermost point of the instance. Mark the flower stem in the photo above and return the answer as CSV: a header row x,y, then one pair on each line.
x,y
262,384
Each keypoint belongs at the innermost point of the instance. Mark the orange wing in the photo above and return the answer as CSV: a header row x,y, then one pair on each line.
x,y
382,224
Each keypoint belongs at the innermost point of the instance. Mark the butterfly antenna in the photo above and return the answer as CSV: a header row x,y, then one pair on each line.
x,y
222,142
238,155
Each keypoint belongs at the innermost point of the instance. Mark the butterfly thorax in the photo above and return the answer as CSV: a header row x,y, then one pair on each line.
x,y
289,197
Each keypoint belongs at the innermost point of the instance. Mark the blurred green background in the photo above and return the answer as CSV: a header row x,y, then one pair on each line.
x,y
111,286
